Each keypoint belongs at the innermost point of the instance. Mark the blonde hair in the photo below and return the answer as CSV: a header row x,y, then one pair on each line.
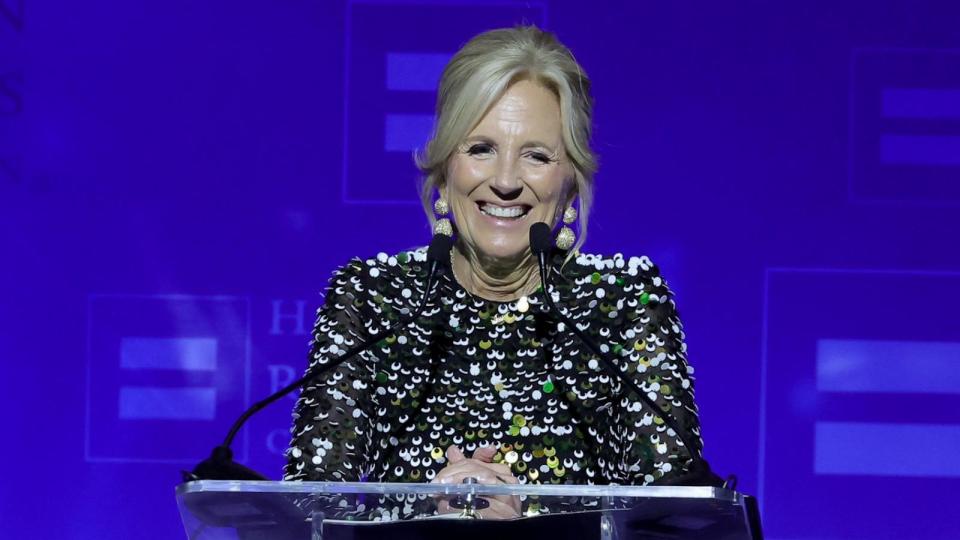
x,y
478,75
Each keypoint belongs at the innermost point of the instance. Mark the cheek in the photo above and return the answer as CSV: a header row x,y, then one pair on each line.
x,y
465,173
550,186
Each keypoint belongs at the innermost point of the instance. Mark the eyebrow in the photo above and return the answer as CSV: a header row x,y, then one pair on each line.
x,y
528,144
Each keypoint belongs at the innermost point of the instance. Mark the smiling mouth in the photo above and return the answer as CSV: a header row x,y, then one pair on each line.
x,y
504,212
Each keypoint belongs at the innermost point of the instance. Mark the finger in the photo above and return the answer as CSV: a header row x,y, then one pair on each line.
x,y
499,509
511,501
459,474
480,469
443,476
471,467
508,478
456,472
499,468
485,453
454,454
458,477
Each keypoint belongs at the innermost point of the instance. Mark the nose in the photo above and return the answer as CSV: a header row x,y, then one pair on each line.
x,y
507,184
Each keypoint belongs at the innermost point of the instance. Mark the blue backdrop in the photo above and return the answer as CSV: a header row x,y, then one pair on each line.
x,y
179,179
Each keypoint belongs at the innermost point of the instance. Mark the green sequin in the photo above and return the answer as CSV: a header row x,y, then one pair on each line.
x,y
595,278
548,386
645,298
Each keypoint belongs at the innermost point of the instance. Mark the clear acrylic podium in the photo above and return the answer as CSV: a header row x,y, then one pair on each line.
x,y
257,510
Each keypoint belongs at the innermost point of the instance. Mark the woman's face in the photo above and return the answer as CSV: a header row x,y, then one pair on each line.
x,y
511,172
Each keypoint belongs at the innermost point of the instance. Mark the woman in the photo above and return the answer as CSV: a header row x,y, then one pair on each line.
x,y
486,383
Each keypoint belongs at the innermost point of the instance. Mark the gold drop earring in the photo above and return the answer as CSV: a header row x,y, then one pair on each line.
x,y
442,224
566,238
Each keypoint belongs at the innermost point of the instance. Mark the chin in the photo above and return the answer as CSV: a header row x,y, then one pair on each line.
x,y
505,251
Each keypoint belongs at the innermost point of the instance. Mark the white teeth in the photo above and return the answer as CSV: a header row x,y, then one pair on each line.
x,y
511,212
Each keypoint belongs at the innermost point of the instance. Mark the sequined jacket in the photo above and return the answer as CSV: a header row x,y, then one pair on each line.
x,y
473,372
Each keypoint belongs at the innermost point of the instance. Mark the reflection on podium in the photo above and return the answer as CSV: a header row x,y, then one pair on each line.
x,y
253,510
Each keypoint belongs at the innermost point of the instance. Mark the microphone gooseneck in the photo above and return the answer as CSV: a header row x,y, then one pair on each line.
x,y
220,464
540,243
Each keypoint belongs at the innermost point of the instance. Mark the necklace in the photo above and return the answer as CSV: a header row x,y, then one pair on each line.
x,y
522,303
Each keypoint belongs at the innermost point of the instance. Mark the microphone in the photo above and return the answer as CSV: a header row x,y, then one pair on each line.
x,y
220,464
540,245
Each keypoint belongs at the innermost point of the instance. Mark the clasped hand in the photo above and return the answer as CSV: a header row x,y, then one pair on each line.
x,y
481,467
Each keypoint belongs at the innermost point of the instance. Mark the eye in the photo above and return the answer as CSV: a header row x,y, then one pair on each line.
x,y
479,149
539,157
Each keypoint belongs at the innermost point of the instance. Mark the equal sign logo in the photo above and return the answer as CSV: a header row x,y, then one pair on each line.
x,y
394,54
411,72
164,372
188,356
860,404
905,126
929,107
873,370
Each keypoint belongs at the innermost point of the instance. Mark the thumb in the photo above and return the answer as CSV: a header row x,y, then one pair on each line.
x,y
454,454
485,453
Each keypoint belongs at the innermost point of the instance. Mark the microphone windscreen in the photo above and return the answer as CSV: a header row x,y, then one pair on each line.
x,y
439,250
539,238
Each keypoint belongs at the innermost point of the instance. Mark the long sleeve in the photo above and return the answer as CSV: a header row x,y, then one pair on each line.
x,y
458,377
332,431
652,353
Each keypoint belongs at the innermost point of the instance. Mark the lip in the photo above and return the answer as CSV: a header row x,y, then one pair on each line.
x,y
501,222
